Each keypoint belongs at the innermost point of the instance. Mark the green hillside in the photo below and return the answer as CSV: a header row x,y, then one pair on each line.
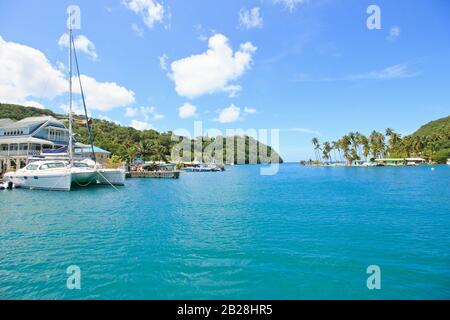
x,y
126,143
438,133
437,127
16,112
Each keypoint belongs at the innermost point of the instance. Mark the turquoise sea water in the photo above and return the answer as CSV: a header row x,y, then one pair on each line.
x,y
305,233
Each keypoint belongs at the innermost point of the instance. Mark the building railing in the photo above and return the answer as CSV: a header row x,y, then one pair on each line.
x,y
18,153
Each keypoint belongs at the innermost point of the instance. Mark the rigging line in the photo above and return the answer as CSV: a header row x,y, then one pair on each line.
x,y
85,185
107,180
84,102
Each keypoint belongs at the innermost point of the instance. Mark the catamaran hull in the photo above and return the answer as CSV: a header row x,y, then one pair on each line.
x,y
84,178
59,182
111,176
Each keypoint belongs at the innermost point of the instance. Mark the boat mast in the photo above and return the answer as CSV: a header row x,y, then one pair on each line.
x,y
70,91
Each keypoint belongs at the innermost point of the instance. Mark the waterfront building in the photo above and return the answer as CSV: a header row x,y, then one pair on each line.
x,y
20,140
85,151
401,161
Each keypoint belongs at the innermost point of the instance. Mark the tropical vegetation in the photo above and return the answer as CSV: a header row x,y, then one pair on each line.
x,y
127,143
431,141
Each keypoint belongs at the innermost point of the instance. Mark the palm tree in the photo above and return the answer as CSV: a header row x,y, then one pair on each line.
x,y
366,147
316,144
358,143
335,146
394,142
143,148
381,144
406,146
418,145
326,150
158,152
345,143
376,143
389,132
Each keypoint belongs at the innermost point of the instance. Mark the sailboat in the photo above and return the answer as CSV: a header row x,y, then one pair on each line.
x,y
58,169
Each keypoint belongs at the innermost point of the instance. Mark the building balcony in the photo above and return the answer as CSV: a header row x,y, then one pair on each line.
x,y
19,153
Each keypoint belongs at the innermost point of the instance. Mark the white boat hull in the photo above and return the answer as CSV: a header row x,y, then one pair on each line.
x,y
52,182
111,176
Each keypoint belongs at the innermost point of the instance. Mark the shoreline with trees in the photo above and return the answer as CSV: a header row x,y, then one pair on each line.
x,y
431,143
126,143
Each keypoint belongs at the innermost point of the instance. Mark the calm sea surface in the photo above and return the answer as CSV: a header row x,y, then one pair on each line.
x,y
305,233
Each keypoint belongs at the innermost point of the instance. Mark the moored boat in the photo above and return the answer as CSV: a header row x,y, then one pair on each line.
x,y
43,175
57,169
115,177
82,174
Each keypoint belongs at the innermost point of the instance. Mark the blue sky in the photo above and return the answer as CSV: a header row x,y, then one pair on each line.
x,y
305,67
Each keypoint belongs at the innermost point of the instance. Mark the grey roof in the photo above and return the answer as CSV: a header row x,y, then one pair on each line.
x,y
33,121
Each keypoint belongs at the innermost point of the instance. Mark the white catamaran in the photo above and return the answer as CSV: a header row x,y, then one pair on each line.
x,y
58,170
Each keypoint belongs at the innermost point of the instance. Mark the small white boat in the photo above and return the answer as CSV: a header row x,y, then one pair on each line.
x,y
369,164
44,175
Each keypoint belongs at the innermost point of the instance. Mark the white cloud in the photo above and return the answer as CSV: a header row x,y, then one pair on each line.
x,y
35,104
304,130
163,62
103,117
249,110
394,72
398,71
61,66
250,18
394,33
106,118
26,73
291,5
229,115
204,32
131,112
148,113
151,11
104,95
187,110
82,44
137,30
213,70
140,125
77,108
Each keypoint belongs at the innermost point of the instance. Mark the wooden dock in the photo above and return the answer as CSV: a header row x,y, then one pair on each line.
x,y
154,174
